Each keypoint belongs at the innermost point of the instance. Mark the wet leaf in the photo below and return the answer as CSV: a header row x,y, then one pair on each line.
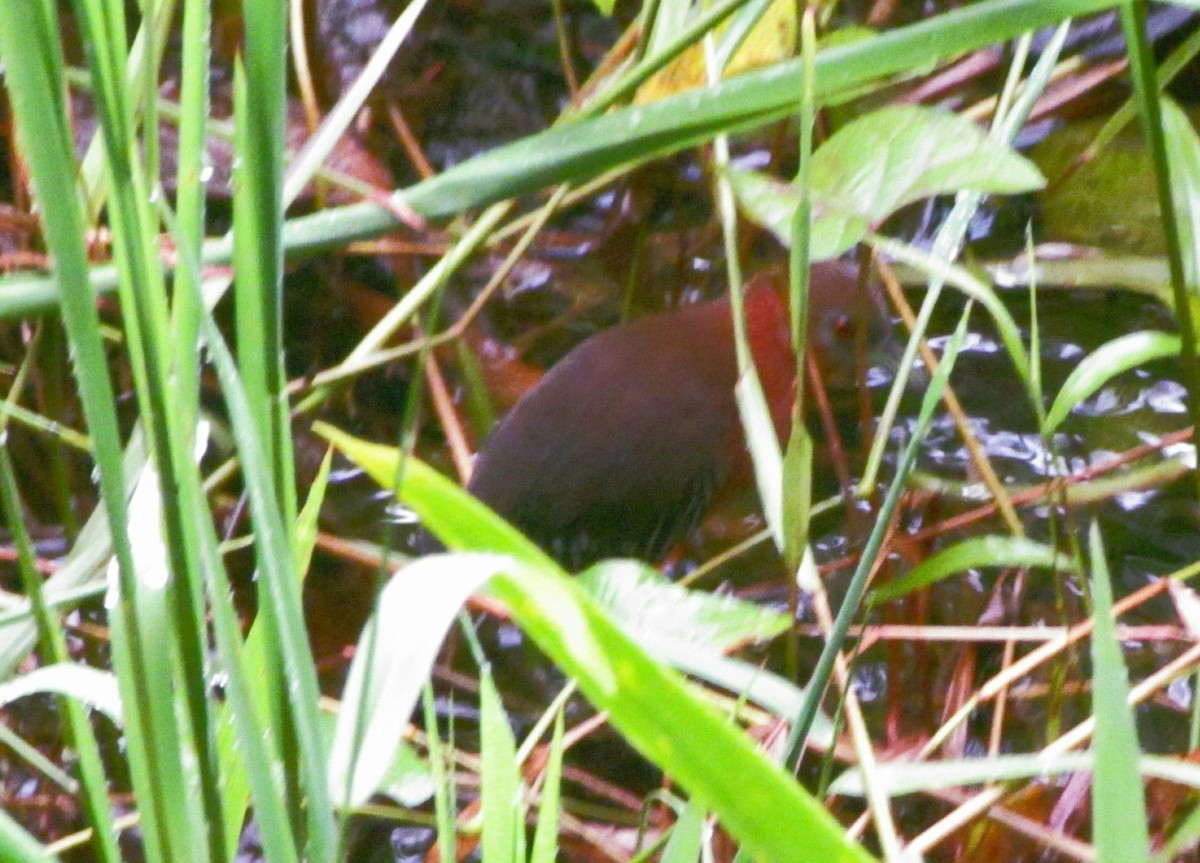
x,y
877,164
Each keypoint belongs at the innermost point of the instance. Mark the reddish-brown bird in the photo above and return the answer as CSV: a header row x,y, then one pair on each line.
x,y
619,449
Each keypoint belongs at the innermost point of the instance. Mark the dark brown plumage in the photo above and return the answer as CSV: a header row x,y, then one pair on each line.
x,y
619,449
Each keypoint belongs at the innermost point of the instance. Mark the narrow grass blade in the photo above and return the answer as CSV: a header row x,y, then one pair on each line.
x,y
815,690
545,837
89,686
28,36
1145,86
905,777
946,246
1183,154
980,551
500,777
81,574
18,846
1105,363
588,148
317,148
877,164
280,597
645,602
1119,828
390,667
443,779
687,836
78,730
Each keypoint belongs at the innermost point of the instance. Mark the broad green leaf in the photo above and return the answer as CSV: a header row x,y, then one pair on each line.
x,y
1107,200
875,165
588,148
770,203
435,500
689,630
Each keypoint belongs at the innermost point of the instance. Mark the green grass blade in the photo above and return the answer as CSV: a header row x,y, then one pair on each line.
x,y
242,730
54,648
545,837
687,836
317,148
258,217
1145,85
78,731
858,582
500,777
1105,363
28,40
979,551
247,735
173,608
443,779
280,597
1119,828
190,189
391,664
588,147
17,845
1183,154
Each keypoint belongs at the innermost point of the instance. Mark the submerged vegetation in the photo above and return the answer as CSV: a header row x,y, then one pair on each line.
x,y
247,247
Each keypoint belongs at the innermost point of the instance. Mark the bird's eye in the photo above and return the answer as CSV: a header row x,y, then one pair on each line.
x,y
843,326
